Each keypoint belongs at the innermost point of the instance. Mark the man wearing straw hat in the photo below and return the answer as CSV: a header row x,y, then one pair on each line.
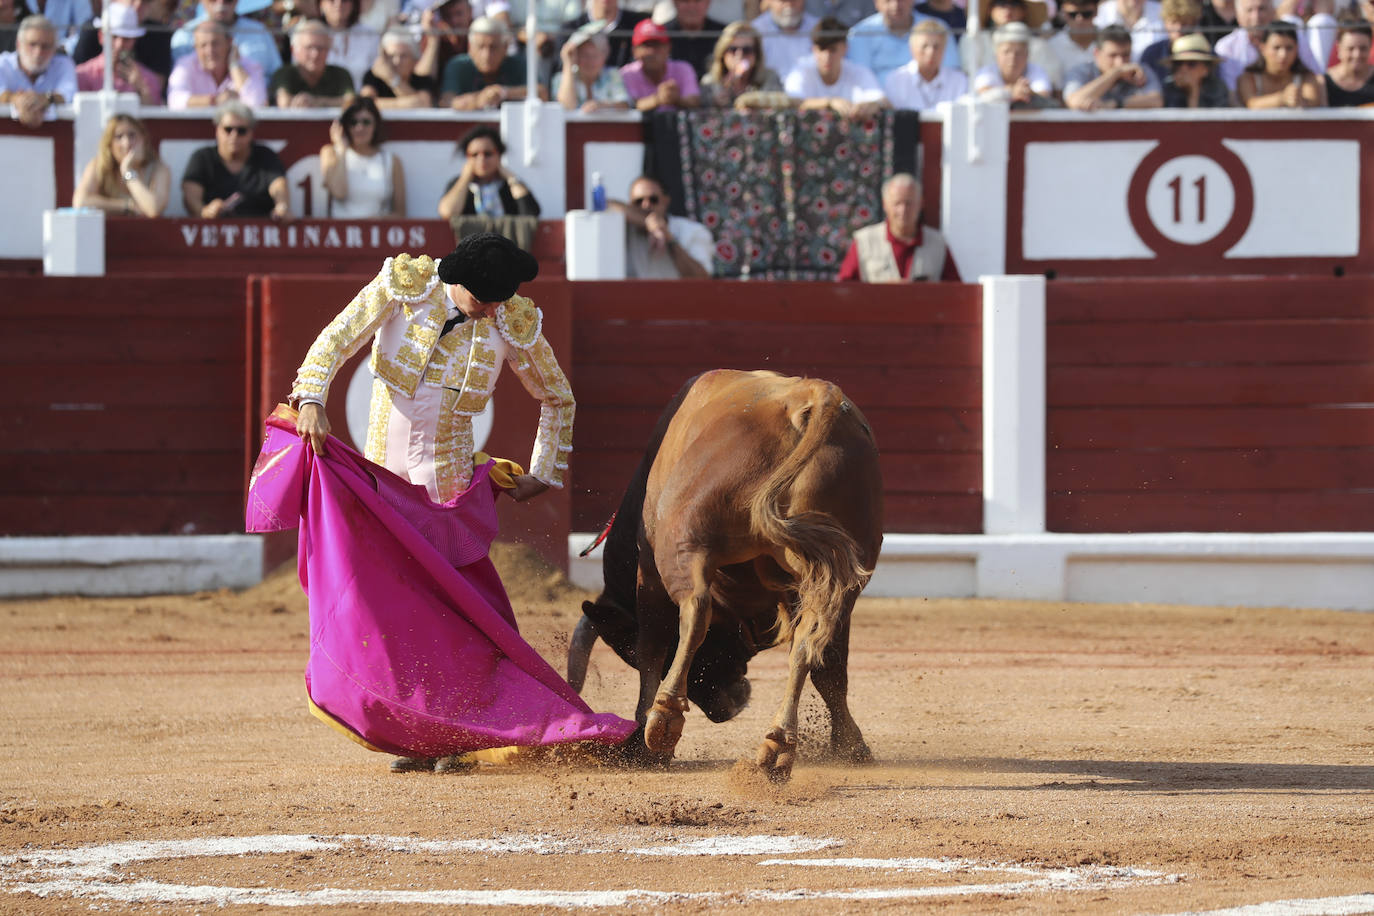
x,y
119,29
1193,81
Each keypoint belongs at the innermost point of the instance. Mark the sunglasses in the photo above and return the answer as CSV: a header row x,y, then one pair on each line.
x,y
746,50
650,199
1078,14
364,122
236,129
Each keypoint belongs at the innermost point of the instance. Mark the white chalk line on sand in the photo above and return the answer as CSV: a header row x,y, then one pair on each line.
x,y
1349,905
103,872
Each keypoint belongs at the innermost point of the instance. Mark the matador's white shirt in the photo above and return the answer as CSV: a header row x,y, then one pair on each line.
x,y
428,388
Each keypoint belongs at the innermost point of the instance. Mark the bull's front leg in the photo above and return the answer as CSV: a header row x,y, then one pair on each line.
x,y
778,752
663,727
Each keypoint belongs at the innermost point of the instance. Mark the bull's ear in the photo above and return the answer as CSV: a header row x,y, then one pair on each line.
x,y
588,607
800,417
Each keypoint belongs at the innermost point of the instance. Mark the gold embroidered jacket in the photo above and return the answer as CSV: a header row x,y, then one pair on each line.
x,y
403,311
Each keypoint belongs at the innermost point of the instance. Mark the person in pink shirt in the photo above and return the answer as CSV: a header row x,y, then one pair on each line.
x,y
654,82
215,73
120,29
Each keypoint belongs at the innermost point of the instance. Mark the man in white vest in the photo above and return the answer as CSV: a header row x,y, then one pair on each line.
x,y
899,249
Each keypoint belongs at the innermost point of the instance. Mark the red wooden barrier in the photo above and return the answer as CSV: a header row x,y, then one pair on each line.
x,y
1211,405
908,356
126,406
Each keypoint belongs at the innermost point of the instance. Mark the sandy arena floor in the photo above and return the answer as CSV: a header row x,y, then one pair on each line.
x,y
1031,758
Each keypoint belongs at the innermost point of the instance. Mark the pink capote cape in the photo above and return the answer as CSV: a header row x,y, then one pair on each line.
x,y
410,655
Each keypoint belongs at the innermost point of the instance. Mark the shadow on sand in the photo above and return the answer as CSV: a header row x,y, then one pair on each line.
x,y
1162,776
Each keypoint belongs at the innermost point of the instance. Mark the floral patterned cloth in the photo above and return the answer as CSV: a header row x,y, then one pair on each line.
x,y
781,191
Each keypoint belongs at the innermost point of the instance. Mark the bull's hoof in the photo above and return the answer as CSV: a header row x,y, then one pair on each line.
x,y
776,755
855,751
663,726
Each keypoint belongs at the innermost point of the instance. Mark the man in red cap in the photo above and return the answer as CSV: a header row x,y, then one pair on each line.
x,y
654,82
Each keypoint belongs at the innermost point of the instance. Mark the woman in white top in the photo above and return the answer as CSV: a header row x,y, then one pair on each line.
x,y
354,45
364,181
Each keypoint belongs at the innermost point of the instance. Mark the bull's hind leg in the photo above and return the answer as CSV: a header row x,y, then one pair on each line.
x,y
663,727
832,683
778,752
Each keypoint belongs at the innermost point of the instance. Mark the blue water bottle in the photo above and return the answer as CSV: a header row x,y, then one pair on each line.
x,y
598,193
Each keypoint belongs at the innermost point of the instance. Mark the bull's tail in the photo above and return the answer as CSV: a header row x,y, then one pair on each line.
x,y
824,558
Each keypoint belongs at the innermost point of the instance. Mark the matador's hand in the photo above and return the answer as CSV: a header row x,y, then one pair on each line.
x,y
313,426
526,487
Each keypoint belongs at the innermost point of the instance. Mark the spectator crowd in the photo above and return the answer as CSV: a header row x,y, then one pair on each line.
x,y
850,56
363,58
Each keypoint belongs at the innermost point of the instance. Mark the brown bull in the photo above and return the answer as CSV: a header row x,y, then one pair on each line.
x,y
755,519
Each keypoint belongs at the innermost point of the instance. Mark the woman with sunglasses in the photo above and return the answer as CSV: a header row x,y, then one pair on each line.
x,y
364,181
485,187
738,77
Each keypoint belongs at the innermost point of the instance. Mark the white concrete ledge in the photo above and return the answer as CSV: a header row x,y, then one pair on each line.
x,y
132,565
1308,570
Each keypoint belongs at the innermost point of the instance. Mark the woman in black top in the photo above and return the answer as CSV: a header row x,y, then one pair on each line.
x,y
485,187
1350,81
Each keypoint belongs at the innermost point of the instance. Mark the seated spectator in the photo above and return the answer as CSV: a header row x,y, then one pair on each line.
x,y
485,187
926,81
953,15
585,82
126,177
978,49
1351,80
1278,78
1218,19
619,23
153,49
353,45
693,34
443,36
658,245
1180,18
251,37
739,76
1193,81
68,17
1240,49
485,76
379,15
119,29
786,30
1073,44
392,82
363,180
899,249
308,81
1013,78
1111,80
236,177
34,78
12,12
847,11
881,42
827,80
215,73
654,82
1140,18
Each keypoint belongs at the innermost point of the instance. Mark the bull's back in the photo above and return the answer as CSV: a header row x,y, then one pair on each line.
x,y
734,429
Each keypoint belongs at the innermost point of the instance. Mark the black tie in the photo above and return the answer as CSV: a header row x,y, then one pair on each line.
x,y
453,323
